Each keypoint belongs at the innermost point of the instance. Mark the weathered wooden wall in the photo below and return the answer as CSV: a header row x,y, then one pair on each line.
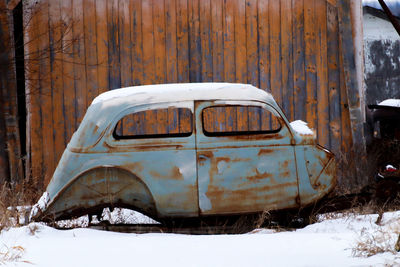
x,y
11,161
80,48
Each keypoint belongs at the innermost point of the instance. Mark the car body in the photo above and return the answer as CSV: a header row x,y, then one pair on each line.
x,y
187,150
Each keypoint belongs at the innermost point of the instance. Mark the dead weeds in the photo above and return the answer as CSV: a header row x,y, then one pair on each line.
x,y
15,202
12,254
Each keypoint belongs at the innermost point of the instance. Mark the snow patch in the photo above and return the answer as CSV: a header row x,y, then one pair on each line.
x,y
378,29
330,242
390,103
117,216
301,127
40,205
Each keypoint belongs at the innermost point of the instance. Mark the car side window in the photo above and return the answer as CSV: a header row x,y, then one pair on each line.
x,y
238,120
166,122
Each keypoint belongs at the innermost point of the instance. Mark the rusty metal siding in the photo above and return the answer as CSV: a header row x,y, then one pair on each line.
x,y
291,48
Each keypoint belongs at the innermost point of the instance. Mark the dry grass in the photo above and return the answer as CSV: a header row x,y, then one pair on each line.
x,y
381,241
15,202
12,254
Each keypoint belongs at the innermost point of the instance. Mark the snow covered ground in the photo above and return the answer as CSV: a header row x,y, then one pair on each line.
x,y
331,242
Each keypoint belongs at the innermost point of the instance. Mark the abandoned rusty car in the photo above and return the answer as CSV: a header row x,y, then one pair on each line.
x,y
187,150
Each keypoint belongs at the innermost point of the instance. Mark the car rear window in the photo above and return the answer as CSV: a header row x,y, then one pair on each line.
x,y
167,122
239,120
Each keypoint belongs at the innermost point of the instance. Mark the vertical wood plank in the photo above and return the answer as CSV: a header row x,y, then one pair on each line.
x,y
217,40
4,161
114,75
171,41
275,50
148,42
102,46
194,41
139,123
240,40
351,75
263,46
90,39
208,117
182,34
299,60
185,120
229,41
46,93
333,79
162,121
57,81
231,118
252,42
150,122
79,60
125,42
254,119
68,70
322,74
220,119
32,87
159,55
310,62
206,41
8,85
159,41
173,120
135,8
242,119
124,27
347,140
287,58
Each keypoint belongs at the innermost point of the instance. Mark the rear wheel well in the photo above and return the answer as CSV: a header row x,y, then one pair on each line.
x,y
102,187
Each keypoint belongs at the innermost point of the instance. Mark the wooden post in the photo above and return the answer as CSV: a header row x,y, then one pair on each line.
x,y
352,85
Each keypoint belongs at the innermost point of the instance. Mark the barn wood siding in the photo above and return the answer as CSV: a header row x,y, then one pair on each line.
x,y
291,48
11,162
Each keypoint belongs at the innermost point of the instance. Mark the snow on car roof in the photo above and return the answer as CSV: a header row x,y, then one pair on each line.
x,y
182,92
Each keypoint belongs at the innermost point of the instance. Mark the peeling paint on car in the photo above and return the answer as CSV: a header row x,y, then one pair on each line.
x,y
194,174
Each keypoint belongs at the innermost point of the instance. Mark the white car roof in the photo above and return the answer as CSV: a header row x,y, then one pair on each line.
x,y
146,94
108,105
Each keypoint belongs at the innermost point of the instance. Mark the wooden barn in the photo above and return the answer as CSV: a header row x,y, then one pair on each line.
x,y
57,55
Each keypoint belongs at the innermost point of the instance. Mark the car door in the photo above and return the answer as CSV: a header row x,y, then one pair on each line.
x,y
245,160
156,142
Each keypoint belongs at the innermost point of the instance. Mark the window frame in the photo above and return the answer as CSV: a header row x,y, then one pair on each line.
x,y
239,133
146,142
153,136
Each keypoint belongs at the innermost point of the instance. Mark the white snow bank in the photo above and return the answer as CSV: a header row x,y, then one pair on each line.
x,y
118,215
40,205
301,127
390,103
330,242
